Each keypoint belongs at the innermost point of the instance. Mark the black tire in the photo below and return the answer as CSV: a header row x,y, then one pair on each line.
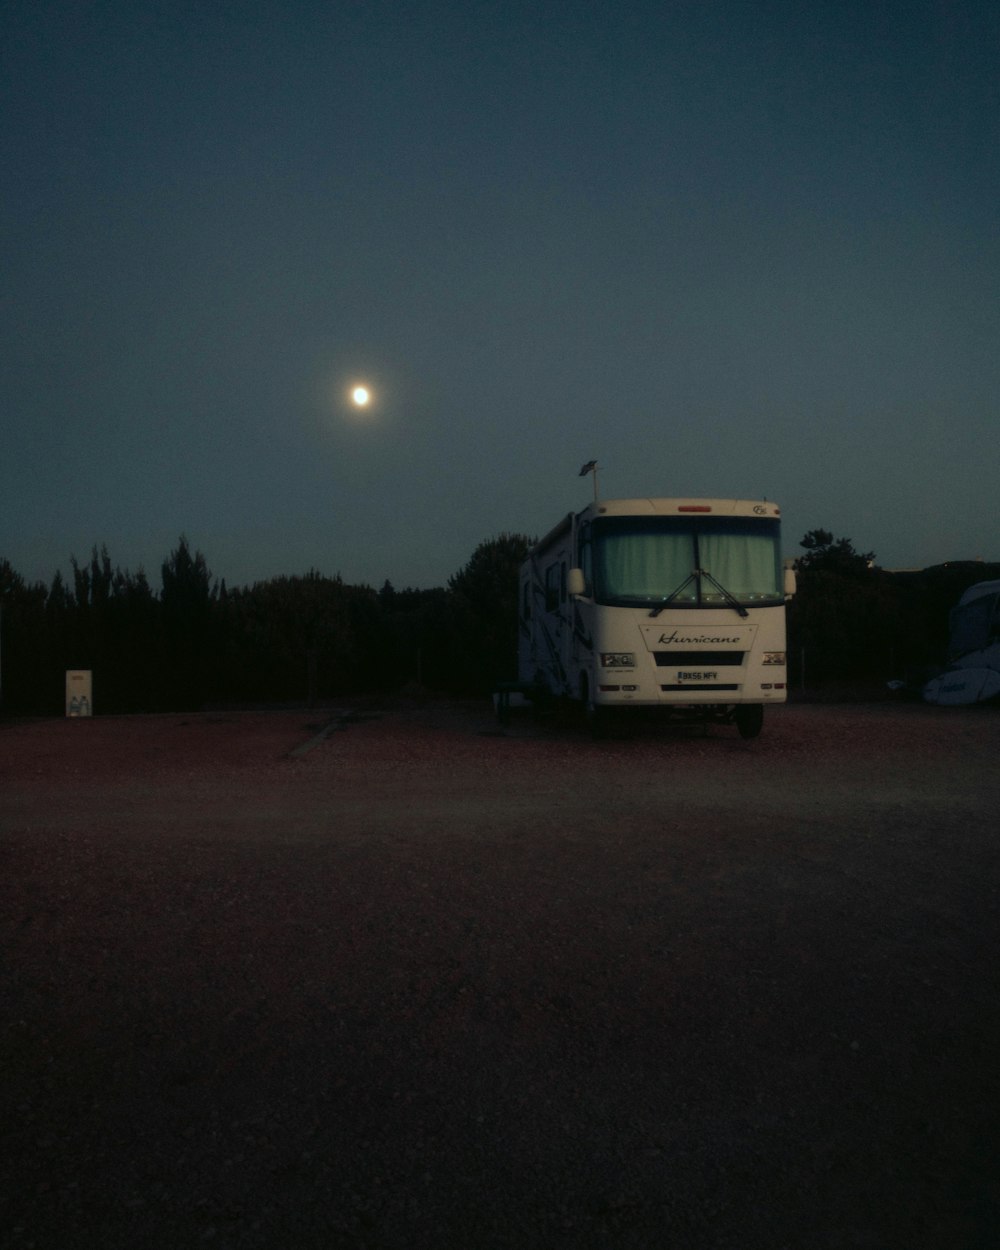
x,y
597,720
750,719
595,716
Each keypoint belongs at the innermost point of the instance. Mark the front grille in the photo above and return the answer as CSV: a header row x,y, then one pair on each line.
x,y
698,659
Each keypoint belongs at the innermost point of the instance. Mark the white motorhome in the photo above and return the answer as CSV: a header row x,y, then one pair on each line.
x,y
973,675
674,604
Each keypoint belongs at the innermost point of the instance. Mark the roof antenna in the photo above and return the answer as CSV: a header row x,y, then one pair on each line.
x,y
591,467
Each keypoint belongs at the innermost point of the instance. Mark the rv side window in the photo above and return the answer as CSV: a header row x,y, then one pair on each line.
x,y
562,582
552,588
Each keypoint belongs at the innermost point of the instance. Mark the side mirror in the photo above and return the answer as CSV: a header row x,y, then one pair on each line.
x,y
790,581
575,582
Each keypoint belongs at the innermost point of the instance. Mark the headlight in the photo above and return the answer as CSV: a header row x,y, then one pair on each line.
x,y
617,659
774,657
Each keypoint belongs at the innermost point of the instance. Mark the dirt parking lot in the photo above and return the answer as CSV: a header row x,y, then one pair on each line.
x,y
400,980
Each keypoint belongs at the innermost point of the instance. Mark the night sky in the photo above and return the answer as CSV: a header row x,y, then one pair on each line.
x,y
732,249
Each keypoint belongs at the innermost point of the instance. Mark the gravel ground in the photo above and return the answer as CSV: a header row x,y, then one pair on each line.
x,y
400,980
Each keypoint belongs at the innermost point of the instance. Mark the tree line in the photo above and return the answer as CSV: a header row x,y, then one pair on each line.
x,y
853,622
192,642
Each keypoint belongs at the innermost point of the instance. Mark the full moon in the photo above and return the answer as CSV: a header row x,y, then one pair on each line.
x,y
361,396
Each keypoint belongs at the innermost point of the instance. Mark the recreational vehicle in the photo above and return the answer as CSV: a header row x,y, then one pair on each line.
x,y
670,604
973,675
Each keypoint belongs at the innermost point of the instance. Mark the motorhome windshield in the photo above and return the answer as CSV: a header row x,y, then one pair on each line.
x,y
686,561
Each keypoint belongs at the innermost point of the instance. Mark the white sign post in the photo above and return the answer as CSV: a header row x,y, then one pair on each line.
x,y
79,692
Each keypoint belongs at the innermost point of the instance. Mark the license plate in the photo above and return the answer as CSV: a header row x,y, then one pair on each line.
x,y
697,676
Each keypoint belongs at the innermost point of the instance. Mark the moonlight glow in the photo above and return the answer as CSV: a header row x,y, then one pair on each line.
x,y
361,396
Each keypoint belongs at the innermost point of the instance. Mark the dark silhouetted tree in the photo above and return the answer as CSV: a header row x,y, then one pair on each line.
x,y
844,620
298,637
22,643
485,611
833,555
185,605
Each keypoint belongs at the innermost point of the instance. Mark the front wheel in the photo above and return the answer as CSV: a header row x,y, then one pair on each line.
x,y
750,719
597,720
596,716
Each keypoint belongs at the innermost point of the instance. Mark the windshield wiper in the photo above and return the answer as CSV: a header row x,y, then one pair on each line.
x,y
729,597
674,593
